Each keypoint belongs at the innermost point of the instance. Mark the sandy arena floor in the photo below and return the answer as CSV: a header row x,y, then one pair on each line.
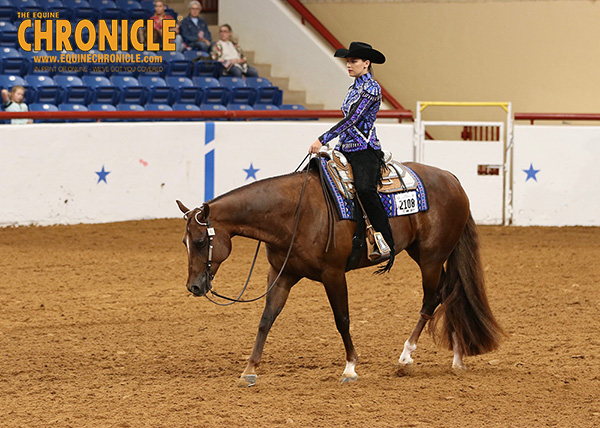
x,y
98,330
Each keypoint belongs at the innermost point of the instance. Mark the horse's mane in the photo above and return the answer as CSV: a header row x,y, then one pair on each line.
x,y
245,187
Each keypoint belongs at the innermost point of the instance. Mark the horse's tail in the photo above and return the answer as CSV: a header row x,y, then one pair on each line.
x,y
464,308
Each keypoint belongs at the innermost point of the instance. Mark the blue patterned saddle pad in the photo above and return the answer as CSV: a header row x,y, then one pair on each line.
x,y
410,200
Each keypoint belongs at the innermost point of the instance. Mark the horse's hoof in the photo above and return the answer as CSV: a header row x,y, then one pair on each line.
x,y
246,381
405,369
459,368
349,379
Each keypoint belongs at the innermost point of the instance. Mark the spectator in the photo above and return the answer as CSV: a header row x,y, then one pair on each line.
x,y
158,17
194,30
231,55
13,102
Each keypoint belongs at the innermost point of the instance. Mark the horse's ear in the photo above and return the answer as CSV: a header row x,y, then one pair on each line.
x,y
182,207
205,210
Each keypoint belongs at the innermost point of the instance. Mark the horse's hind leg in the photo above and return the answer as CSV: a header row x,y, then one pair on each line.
x,y
337,293
275,302
431,277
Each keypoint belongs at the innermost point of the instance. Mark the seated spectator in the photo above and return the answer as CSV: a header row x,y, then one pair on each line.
x,y
231,55
159,15
194,30
13,102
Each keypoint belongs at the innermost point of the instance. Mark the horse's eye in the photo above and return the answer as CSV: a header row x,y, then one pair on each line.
x,y
199,243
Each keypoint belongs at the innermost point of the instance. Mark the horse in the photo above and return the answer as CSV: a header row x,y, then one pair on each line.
x,y
442,240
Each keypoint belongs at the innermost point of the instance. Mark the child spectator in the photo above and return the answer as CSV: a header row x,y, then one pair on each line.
x,y
13,102
231,55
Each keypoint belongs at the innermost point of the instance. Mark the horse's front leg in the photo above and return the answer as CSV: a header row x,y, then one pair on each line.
x,y
337,292
275,302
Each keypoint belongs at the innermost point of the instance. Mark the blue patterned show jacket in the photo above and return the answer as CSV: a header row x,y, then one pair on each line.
x,y
357,129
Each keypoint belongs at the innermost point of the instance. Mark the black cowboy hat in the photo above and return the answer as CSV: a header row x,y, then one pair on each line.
x,y
361,50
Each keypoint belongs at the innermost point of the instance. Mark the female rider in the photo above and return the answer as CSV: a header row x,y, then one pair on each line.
x,y
357,138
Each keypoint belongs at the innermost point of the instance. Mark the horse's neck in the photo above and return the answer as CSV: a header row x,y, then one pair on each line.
x,y
263,210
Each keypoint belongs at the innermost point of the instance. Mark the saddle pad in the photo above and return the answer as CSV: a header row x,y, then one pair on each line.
x,y
396,204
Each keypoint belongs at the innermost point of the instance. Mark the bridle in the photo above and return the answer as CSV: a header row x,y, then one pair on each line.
x,y
210,232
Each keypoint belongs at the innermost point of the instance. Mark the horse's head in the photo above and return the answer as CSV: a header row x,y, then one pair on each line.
x,y
207,248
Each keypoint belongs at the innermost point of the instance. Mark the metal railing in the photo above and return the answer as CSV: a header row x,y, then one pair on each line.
x,y
199,115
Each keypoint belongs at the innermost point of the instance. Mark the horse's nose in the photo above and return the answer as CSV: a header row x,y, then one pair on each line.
x,y
195,290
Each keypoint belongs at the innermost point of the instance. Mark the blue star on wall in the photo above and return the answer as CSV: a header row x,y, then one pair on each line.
x,y
531,172
251,172
102,175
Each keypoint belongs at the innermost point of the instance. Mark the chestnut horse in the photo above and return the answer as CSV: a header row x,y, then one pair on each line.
x,y
442,240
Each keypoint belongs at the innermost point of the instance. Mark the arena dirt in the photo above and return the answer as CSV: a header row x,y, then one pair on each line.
x,y
98,330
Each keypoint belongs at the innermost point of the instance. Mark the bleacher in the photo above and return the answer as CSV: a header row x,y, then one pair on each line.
x,y
180,81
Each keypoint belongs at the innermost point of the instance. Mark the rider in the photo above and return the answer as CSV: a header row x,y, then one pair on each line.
x,y
357,138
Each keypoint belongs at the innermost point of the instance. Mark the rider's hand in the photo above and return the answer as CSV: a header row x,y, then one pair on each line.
x,y
315,147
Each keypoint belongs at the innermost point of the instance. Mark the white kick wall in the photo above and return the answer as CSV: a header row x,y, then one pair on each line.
x,y
52,174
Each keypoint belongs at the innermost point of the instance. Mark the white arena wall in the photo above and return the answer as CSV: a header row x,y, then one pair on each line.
x,y
52,174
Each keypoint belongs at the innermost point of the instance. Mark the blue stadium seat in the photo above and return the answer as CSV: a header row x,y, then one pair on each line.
x,y
270,95
101,107
131,91
14,65
9,38
8,81
192,55
104,91
243,95
258,82
9,52
232,82
74,90
179,67
107,9
206,82
44,107
292,107
268,107
189,95
133,9
124,81
46,90
49,4
148,5
207,68
74,107
158,107
179,82
8,13
130,107
71,107
239,106
219,107
6,25
81,10
151,81
185,107
168,56
66,80
160,93
22,4
216,95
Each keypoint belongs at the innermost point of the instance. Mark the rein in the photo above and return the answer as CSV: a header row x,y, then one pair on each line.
x,y
211,233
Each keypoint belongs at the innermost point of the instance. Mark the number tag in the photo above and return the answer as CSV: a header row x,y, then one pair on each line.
x,y
210,231
406,203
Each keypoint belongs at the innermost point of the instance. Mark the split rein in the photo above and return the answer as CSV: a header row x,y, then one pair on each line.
x,y
211,233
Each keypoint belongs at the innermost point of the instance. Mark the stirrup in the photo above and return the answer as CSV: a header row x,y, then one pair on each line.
x,y
381,250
